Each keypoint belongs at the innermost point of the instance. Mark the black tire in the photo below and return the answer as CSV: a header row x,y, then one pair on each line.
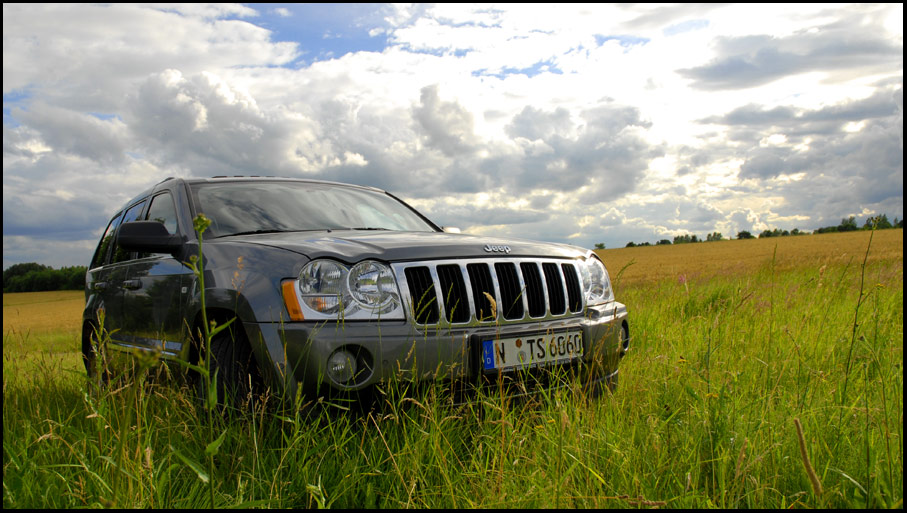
x,y
233,371
89,346
624,339
90,352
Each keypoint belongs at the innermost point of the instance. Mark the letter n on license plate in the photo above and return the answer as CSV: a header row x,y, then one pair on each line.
x,y
531,350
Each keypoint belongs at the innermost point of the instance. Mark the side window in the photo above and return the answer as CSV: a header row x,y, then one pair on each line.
x,y
163,211
121,255
100,254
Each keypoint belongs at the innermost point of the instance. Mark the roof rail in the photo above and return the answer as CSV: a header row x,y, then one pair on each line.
x,y
246,176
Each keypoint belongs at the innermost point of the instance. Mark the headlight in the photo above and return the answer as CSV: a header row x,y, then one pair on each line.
x,y
372,284
321,286
596,282
331,290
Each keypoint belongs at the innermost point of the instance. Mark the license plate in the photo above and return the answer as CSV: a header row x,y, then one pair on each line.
x,y
527,351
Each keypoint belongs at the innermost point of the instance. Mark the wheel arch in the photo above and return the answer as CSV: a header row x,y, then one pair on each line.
x,y
218,316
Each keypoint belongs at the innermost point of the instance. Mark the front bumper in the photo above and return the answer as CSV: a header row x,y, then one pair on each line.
x,y
294,356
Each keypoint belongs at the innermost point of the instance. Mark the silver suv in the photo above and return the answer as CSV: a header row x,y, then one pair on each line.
x,y
337,287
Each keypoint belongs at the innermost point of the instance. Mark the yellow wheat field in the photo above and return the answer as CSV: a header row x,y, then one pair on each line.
x,y
43,312
738,257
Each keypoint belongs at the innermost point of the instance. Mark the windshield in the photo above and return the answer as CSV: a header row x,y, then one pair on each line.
x,y
261,207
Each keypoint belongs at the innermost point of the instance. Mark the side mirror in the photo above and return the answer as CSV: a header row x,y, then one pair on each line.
x,y
450,229
148,237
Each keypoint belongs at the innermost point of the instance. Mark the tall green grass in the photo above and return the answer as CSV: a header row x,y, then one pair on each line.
x,y
720,368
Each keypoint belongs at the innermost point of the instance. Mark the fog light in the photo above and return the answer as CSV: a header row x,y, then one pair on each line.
x,y
341,366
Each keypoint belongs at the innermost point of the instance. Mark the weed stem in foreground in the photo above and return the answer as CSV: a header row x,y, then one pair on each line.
x,y
817,486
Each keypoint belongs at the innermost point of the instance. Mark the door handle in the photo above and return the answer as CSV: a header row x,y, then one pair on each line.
x,y
132,284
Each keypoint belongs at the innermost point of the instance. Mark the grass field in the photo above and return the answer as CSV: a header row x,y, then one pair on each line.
x,y
762,373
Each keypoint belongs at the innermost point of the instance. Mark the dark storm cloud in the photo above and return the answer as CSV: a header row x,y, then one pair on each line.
x,y
689,159
852,171
831,150
55,195
881,104
77,133
668,15
840,170
606,151
602,148
200,124
843,47
51,217
447,125
469,215
533,124
697,215
752,114
765,163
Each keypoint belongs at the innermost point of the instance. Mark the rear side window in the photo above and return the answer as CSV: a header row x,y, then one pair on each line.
x,y
121,255
100,254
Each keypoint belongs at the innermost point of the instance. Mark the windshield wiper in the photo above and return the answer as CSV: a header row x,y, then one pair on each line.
x,y
256,232
253,232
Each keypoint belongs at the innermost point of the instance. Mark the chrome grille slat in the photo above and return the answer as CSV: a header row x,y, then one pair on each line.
x,y
535,297
537,289
471,300
574,293
439,293
421,295
512,291
454,302
480,281
499,307
554,284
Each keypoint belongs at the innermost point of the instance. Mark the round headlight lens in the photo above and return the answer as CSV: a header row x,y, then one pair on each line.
x,y
320,284
372,284
321,277
596,282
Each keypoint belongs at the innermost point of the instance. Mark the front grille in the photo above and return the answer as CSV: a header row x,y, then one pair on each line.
x,y
490,290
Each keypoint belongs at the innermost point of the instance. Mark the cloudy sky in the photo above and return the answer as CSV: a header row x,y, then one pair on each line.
x,y
580,124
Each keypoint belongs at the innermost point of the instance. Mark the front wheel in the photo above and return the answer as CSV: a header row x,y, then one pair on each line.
x,y
94,353
234,371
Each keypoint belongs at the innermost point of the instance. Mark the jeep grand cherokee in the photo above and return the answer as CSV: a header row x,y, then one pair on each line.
x,y
339,287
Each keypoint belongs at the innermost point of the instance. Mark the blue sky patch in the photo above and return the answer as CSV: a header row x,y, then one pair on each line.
x,y
105,117
324,31
685,26
546,66
624,41
14,99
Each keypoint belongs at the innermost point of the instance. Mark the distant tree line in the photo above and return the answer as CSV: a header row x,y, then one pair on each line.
x,y
780,233
32,277
880,222
850,224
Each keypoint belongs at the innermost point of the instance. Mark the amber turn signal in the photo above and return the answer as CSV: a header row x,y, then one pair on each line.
x,y
291,301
